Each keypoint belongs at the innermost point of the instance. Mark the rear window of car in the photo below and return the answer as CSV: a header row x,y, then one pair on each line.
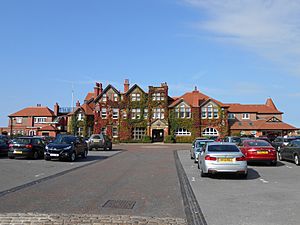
x,y
24,141
223,148
201,143
258,143
96,137
235,140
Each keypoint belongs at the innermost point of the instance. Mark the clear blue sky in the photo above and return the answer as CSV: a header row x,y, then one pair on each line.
x,y
234,51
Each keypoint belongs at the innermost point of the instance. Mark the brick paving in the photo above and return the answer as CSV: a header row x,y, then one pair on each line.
x,y
66,219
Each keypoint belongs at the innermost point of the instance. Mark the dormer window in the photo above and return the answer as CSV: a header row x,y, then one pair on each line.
x,y
246,116
231,116
210,112
183,111
80,117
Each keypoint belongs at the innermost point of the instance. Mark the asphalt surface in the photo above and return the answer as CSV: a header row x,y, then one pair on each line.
x,y
270,195
143,174
16,172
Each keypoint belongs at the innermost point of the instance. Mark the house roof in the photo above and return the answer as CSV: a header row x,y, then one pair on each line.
x,y
133,87
261,125
34,111
48,128
251,108
194,99
87,108
105,90
89,96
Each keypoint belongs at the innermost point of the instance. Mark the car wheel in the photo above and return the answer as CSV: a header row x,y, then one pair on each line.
x,y
110,148
84,154
202,174
296,159
47,158
192,156
35,155
198,165
105,148
273,163
244,175
73,157
11,157
280,156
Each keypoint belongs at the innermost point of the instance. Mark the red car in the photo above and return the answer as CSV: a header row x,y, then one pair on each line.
x,y
259,151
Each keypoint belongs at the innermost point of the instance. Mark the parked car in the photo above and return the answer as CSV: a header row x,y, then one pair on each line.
x,y
291,152
30,147
264,138
46,139
5,138
259,151
198,138
280,142
222,157
197,148
98,141
3,147
66,147
235,139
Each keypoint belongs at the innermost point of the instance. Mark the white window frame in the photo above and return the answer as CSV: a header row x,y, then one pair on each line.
x,y
203,113
40,119
19,120
80,116
115,97
103,130
183,111
210,131
145,113
115,132
104,97
158,96
215,113
115,113
104,113
138,133
158,113
182,132
246,116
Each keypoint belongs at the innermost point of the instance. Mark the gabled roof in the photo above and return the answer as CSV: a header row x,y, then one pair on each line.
x,y
105,90
134,87
261,125
89,97
87,108
34,111
251,108
194,99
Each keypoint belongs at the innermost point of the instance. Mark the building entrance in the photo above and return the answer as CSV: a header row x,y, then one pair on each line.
x,y
157,135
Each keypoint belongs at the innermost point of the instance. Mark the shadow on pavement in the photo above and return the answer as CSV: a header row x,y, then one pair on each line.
x,y
265,164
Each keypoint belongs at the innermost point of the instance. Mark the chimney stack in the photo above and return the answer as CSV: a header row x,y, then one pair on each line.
x,y
126,85
97,89
77,103
56,109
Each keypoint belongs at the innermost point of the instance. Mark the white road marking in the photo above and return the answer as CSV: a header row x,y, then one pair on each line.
x,y
193,179
71,163
264,181
41,174
289,167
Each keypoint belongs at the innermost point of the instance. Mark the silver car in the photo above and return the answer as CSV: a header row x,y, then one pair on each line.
x,y
222,157
197,148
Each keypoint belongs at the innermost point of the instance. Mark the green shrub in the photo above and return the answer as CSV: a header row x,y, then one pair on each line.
x,y
184,139
169,139
146,139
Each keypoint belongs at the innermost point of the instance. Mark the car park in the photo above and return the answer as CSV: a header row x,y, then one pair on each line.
x,y
197,148
3,147
291,152
97,141
235,139
67,147
259,151
29,147
222,157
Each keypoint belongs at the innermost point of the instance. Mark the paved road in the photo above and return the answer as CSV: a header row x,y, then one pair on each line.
x,y
143,174
270,195
16,172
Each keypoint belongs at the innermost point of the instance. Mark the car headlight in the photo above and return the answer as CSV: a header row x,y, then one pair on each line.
x,y
67,148
46,147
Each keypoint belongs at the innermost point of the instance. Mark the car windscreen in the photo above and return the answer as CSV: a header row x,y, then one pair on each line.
x,y
235,139
95,137
23,141
199,144
258,143
64,140
223,148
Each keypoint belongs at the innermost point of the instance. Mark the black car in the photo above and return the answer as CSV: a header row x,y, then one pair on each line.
x,y
280,142
29,147
291,152
3,147
67,147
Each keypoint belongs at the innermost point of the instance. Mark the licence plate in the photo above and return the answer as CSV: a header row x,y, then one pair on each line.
x,y
262,152
96,140
17,152
225,159
54,155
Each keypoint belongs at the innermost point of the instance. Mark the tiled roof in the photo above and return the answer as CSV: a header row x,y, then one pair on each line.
x,y
239,108
87,108
261,125
49,128
34,111
194,99
89,96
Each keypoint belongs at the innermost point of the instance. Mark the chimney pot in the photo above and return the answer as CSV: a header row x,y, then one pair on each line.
x,y
126,85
